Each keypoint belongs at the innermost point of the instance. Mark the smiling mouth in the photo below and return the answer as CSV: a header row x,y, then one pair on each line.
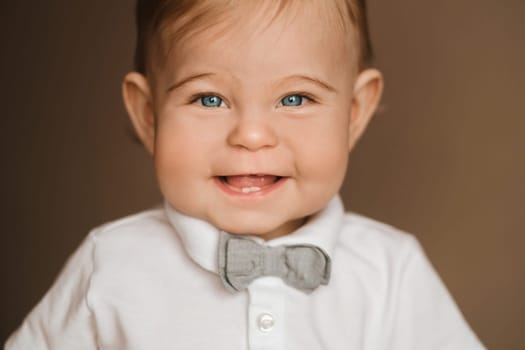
x,y
252,183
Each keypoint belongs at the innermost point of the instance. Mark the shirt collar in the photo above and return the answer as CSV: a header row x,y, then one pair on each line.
x,y
200,238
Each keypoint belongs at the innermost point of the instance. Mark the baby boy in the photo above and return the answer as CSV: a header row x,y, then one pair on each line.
x,y
249,110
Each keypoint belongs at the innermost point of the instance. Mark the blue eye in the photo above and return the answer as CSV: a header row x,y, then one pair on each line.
x,y
293,100
210,101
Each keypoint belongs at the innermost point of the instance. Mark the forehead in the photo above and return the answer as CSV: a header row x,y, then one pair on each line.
x,y
265,32
182,21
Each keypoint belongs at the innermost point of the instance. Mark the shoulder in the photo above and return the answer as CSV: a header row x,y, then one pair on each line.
x,y
131,240
371,243
151,224
147,219
120,239
63,318
372,234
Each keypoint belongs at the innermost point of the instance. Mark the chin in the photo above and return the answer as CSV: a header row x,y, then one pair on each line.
x,y
260,226
247,228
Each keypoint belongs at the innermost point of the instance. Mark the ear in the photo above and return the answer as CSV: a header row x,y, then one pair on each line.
x,y
138,100
368,88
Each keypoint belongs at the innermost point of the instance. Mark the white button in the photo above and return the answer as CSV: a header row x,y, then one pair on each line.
x,y
265,322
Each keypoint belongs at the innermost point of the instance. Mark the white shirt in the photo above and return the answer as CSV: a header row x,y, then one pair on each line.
x,y
150,281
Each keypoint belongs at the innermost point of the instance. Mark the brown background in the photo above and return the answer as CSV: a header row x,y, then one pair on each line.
x,y
444,159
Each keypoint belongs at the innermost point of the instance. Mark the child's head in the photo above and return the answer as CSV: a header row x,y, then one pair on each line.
x,y
250,108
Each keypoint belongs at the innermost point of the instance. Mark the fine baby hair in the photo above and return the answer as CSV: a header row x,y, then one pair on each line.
x,y
158,21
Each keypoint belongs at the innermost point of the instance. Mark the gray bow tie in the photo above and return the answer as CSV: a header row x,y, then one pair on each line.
x,y
242,260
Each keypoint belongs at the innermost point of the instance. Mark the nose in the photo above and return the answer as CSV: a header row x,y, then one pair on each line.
x,y
252,132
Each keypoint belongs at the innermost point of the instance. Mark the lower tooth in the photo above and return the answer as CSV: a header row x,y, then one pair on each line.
x,y
250,189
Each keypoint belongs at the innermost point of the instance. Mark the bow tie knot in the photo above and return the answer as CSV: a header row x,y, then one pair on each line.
x,y
242,260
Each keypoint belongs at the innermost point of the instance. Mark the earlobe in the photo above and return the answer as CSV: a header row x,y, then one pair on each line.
x,y
138,101
368,88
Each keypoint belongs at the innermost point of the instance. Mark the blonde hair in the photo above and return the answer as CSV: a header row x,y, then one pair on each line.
x,y
158,21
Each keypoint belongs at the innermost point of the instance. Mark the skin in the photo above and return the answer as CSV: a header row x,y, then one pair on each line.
x,y
252,131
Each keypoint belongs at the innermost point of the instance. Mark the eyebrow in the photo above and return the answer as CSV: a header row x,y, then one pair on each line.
x,y
313,80
186,80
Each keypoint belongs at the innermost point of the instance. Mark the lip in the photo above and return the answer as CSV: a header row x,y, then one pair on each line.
x,y
229,190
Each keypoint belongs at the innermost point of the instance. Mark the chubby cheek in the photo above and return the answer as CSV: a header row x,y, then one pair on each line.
x,y
325,175
178,163
323,160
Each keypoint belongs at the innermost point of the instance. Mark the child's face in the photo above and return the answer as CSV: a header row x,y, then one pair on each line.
x,y
253,127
